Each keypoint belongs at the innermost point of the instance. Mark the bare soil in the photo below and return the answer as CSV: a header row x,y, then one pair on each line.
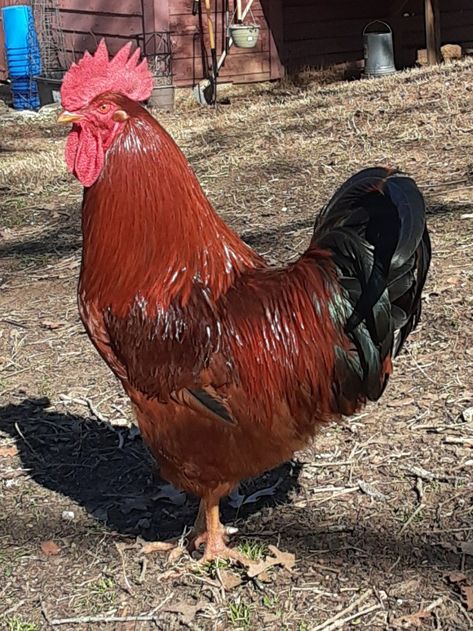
x,y
378,512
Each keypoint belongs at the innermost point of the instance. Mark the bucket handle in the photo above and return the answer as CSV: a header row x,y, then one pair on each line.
x,y
378,22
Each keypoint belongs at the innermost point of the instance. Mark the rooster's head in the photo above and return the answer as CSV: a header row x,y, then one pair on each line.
x,y
97,94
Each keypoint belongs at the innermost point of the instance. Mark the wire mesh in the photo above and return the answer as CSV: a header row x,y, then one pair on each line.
x,y
50,35
158,50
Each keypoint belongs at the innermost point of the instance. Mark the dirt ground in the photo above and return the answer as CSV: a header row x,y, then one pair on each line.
x,y
378,512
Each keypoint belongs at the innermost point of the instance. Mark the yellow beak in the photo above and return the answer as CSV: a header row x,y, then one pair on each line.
x,y
66,117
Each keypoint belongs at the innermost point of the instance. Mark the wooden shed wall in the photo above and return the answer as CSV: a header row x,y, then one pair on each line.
x,y
257,64
85,22
319,33
294,32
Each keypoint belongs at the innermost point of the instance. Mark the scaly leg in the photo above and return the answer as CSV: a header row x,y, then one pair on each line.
x,y
214,536
199,524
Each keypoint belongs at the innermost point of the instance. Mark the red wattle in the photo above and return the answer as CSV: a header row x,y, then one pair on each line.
x,y
84,154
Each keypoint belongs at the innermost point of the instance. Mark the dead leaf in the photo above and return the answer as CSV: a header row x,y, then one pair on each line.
x,y
467,593
415,619
466,547
370,490
8,452
51,325
229,579
49,548
446,545
176,554
286,559
129,504
187,611
264,577
467,415
157,546
169,493
401,402
456,577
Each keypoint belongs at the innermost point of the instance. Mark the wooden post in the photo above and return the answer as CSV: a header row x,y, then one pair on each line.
x,y
273,13
432,30
155,19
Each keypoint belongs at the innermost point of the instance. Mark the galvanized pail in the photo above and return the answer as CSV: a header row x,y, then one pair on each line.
x,y
379,52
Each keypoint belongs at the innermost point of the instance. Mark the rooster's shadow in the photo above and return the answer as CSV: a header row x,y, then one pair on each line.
x,y
108,471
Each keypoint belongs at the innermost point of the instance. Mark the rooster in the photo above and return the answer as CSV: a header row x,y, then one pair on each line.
x,y
231,365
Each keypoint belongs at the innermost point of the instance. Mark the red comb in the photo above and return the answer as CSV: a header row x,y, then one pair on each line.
x,y
96,74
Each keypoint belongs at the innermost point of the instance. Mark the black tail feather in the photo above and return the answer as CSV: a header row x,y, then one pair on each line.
x,y
375,227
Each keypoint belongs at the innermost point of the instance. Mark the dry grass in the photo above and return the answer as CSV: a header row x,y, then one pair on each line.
x,y
378,512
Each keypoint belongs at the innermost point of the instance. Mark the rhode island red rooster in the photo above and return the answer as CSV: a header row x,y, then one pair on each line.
x,y
231,365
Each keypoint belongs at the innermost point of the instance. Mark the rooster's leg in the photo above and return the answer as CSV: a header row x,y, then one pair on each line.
x,y
199,524
214,535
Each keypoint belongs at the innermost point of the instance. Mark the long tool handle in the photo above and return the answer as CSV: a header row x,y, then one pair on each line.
x,y
239,12
213,50
227,27
210,25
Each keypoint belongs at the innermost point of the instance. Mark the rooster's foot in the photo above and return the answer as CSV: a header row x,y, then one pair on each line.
x,y
216,546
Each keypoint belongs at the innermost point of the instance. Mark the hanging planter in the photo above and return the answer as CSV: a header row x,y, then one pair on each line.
x,y
244,35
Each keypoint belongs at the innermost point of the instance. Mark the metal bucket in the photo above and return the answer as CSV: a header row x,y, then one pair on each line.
x,y
379,51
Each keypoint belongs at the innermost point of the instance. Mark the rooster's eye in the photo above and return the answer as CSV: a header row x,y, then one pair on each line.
x,y
104,108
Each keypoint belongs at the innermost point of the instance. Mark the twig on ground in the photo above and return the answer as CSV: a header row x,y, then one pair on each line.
x,y
148,617
85,402
419,472
144,567
435,603
33,451
412,517
128,588
55,622
337,620
358,614
419,489
4,614
458,440
13,473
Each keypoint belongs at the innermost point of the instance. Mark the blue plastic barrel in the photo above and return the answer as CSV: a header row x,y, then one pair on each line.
x,y
22,53
21,41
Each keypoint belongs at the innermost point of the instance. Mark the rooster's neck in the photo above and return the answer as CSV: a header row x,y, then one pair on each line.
x,y
149,231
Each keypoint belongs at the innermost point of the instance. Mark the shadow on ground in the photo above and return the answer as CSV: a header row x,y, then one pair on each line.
x,y
109,472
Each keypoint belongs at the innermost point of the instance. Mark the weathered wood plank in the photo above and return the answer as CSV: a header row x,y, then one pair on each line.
x,y
184,7
124,7
432,31
182,44
99,23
